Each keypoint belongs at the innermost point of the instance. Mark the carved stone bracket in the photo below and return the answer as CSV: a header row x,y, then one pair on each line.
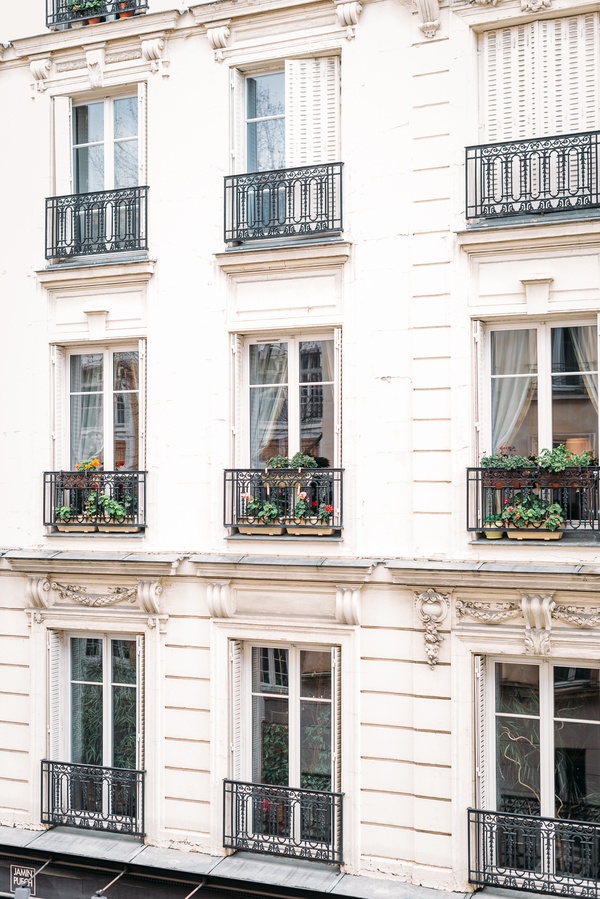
x,y
490,613
81,596
218,34
347,605
347,16
537,612
220,599
95,63
38,592
432,609
429,13
148,593
40,69
152,51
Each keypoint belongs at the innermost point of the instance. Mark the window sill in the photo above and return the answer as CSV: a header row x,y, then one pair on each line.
x,y
287,538
569,538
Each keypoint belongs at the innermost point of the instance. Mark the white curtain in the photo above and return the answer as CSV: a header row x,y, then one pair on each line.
x,y
512,396
585,344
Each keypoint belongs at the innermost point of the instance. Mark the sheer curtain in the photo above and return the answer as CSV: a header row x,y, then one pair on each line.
x,y
86,408
513,354
268,402
585,344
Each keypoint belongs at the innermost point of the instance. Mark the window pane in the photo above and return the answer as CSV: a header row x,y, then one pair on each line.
x,y
268,424
518,765
126,164
86,724
266,145
126,117
87,435
316,361
575,388
317,422
517,688
514,352
315,674
270,742
574,349
269,670
126,410
268,363
315,745
89,169
124,662
86,659
577,693
88,123
514,390
577,770
266,95
86,372
124,710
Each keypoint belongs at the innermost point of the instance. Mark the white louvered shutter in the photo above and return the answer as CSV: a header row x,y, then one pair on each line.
x,y
53,645
238,456
237,84
480,746
235,707
142,133
141,701
337,336
143,381
63,152
336,680
59,424
479,416
312,110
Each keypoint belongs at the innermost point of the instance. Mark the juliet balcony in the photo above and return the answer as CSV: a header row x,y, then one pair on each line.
x,y
533,177
90,501
93,797
298,823
102,222
296,502
62,14
302,202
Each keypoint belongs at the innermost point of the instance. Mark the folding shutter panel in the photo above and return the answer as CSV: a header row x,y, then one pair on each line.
x,y
143,379
478,386
312,110
141,701
238,121
237,393
142,134
53,644
336,670
63,152
337,336
480,753
235,707
59,426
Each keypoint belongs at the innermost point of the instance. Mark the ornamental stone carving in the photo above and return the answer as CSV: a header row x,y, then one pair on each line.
x,y
432,609
80,595
347,605
218,34
429,13
38,592
95,63
152,51
535,5
40,69
219,596
347,16
490,613
579,616
537,612
148,594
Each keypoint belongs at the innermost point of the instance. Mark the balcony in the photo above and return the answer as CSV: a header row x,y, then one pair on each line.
x,y
62,14
576,490
533,177
107,221
93,797
543,855
89,501
295,502
302,202
283,821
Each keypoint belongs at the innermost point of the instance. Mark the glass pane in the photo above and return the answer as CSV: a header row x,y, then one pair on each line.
x,y
126,164
518,765
269,670
86,724
89,169
86,372
316,361
266,145
315,745
124,727
268,363
126,371
577,693
514,352
270,741
577,771
574,349
87,427
315,674
266,95
575,411
517,688
317,419
126,117
268,424
86,659
515,414
126,410
124,662
88,123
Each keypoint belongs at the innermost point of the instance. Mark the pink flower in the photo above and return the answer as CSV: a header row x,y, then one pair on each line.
x,y
303,495
505,501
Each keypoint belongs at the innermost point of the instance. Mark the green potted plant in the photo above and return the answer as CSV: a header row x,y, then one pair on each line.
x,y
262,516
91,11
68,520
116,516
529,517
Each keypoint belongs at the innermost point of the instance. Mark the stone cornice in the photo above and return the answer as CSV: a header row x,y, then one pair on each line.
x,y
283,570
273,259
528,577
55,565
480,14
86,276
563,234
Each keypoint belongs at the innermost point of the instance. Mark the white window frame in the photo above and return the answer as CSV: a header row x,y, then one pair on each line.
x,y
544,376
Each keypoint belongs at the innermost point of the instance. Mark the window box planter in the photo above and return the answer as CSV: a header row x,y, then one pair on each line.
x,y
66,528
269,530
530,532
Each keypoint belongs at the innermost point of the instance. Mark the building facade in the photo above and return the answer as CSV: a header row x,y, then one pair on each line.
x,y
302,296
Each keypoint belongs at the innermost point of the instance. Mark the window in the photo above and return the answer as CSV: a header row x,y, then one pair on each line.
x,y
292,398
544,387
286,118
104,408
105,145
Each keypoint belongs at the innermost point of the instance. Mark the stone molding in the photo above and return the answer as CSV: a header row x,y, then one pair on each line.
x,y
43,593
347,604
40,68
220,598
432,609
218,35
348,15
429,14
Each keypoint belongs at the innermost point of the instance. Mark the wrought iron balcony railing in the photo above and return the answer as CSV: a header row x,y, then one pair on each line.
x,y
93,797
64,13
576,490
544,855
283,821
277,501
88,501
305,201
106,221
529,177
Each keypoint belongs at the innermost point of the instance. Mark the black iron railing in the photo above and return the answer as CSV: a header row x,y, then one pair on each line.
x,y
93,797
544,855
540,175
283,821
106,221
303,201
63,13
292,501
576,490
87,501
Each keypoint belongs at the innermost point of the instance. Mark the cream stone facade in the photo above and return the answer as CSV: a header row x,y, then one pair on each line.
x,y
370,296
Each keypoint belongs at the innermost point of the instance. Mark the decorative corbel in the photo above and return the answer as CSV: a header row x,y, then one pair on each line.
x,y
432,609
347,605
148,594
535,5
429,13
218,34
95,64
219,596
40,69
347,15
537,612
38,592
152,51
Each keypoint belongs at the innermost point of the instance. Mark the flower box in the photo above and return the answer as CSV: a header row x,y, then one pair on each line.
x,y
532,533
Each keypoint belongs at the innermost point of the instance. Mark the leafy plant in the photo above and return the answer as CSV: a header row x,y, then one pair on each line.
x,y
63,513
299,460
495,519
303,506
507,459
88,465
530,509
560,457
262,509
324,512
279,462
